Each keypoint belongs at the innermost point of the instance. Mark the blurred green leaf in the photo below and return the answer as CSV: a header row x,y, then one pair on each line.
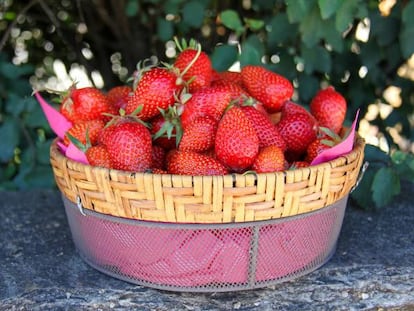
x,y
407,42
254,24
280,30
10,136
193,13
131,8
165,29
333,37
15,105
404,164
224,56
362,194
40,176
231,20
316,59
308,86
298,9
385,185
43,152
346,13
374,154
311,28
328,7
252,51
384,29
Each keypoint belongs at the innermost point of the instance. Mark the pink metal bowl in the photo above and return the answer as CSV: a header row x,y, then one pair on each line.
x,y
206,257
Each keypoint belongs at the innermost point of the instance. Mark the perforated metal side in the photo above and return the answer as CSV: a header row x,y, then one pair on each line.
x,y
206,257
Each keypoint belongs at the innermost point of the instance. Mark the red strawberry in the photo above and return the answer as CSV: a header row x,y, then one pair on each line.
x,y
266,131
232,76
270,159
238,94
199,135
118,96
164,128
158,171
158,157
155,90
329,108
298,130
237,143
85,104
209,101
194,66
290,107
195,164
266,86
98,156
84,131
129,146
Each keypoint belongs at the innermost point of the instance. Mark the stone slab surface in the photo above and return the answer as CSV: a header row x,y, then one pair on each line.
x,y
372,269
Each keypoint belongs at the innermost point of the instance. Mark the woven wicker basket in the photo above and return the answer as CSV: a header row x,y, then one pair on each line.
x,y
207,199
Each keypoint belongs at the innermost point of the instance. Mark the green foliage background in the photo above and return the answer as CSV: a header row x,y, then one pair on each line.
x,y
311,42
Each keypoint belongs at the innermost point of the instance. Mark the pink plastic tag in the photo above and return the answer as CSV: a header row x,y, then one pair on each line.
x,y
73,153
60,125
340,149
57,122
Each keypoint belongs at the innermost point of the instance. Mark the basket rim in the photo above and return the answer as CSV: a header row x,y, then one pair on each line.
x,y
359,144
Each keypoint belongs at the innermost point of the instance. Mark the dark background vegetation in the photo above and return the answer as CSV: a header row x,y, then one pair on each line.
x,y
363,48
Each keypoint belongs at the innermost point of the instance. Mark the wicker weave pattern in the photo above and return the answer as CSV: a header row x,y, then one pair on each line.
x,y
207,199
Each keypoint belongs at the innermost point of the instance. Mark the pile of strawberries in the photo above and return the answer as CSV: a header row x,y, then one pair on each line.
x,y
186,118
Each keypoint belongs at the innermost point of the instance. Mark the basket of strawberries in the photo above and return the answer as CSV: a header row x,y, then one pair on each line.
x,y
198,180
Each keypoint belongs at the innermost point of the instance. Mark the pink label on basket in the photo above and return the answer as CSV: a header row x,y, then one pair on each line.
x,y
60,125
340,149
57,122
73,153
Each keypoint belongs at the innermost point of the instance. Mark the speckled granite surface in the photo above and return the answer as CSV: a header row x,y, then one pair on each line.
x,y
372,269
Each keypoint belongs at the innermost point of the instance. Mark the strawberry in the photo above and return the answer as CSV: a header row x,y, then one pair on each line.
x,y
231,76
194,66
166,128
129,146
155,90
270,159
84,130
199,135
158,157
195,164
290,107
158,171
85,104
266,131
329,108
209,101
237,143
98,156
266,86
298,130
118,96
238,94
